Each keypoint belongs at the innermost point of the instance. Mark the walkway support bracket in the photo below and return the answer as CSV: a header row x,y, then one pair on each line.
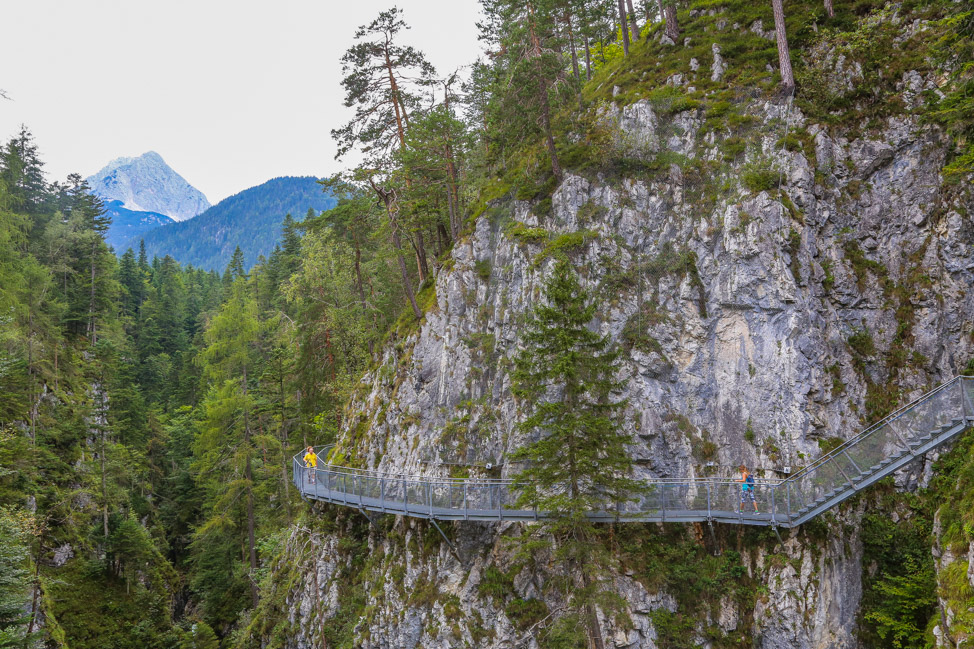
x,y
371,520
449,543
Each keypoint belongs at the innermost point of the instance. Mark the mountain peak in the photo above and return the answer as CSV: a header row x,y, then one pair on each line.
x,y
147,184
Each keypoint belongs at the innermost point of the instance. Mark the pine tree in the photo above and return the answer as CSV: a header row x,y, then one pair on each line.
x,y
435,145
384,81
235,267
578,462
623,26
229,365
143,259
290,247
22,171
97,289
528,46
130,279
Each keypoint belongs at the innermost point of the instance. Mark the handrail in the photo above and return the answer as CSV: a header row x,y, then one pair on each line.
x,y
337,469
822,484
893,416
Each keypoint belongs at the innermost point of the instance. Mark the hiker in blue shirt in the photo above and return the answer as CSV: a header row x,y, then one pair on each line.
x,y
747,490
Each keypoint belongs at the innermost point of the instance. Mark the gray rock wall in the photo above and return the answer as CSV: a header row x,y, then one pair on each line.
x,y
745,354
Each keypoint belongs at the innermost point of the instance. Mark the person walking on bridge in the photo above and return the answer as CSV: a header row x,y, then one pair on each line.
x,y
311,461
747,490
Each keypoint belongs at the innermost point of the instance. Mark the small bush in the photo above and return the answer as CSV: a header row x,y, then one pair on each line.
x,y
861,343
759,177
564,243
525,612
829,281
525,234
482,268
718,109
495,583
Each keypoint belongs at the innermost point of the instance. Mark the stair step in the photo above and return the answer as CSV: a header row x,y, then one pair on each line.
x,y
877,467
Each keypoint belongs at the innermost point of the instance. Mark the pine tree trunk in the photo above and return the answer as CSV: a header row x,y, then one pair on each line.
x,y
633,27
251,543
588,60
91,303
104,487
828,8
543,96
549,138
672,26
360,286
283,438
451,190
571,43
397,244
784,55
421,262
394,91
31,372
249,480
454,220
387,201
624,26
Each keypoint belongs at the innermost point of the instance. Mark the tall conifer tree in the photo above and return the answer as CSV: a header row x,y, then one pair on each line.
x,y
577,462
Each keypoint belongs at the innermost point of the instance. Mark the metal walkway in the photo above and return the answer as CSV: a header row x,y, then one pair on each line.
x,y
932,420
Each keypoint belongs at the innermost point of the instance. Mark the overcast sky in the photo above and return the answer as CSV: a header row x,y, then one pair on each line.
x,y
230,94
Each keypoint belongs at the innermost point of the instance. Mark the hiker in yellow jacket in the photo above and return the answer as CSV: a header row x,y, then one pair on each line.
x,y
311,461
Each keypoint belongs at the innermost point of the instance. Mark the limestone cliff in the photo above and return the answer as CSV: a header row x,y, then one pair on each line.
x,y
767,305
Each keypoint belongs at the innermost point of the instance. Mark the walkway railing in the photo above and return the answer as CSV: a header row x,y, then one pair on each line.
x,y
928,422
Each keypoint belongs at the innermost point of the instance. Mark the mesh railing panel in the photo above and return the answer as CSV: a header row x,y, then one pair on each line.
x,y
819,485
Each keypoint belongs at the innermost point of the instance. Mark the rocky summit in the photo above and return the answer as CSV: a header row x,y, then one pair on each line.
x,y
148,184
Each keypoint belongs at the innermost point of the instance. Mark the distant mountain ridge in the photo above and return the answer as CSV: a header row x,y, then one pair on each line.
x,y
250,219
148,184
130,224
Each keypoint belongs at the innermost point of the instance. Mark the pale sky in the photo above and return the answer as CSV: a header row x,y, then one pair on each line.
x,y
230,94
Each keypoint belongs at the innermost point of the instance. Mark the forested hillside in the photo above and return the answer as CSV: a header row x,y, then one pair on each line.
x,y
128,225
249,220
757,239
149,409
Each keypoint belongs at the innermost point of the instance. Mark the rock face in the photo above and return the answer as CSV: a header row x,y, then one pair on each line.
x,y
148,184
757,323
